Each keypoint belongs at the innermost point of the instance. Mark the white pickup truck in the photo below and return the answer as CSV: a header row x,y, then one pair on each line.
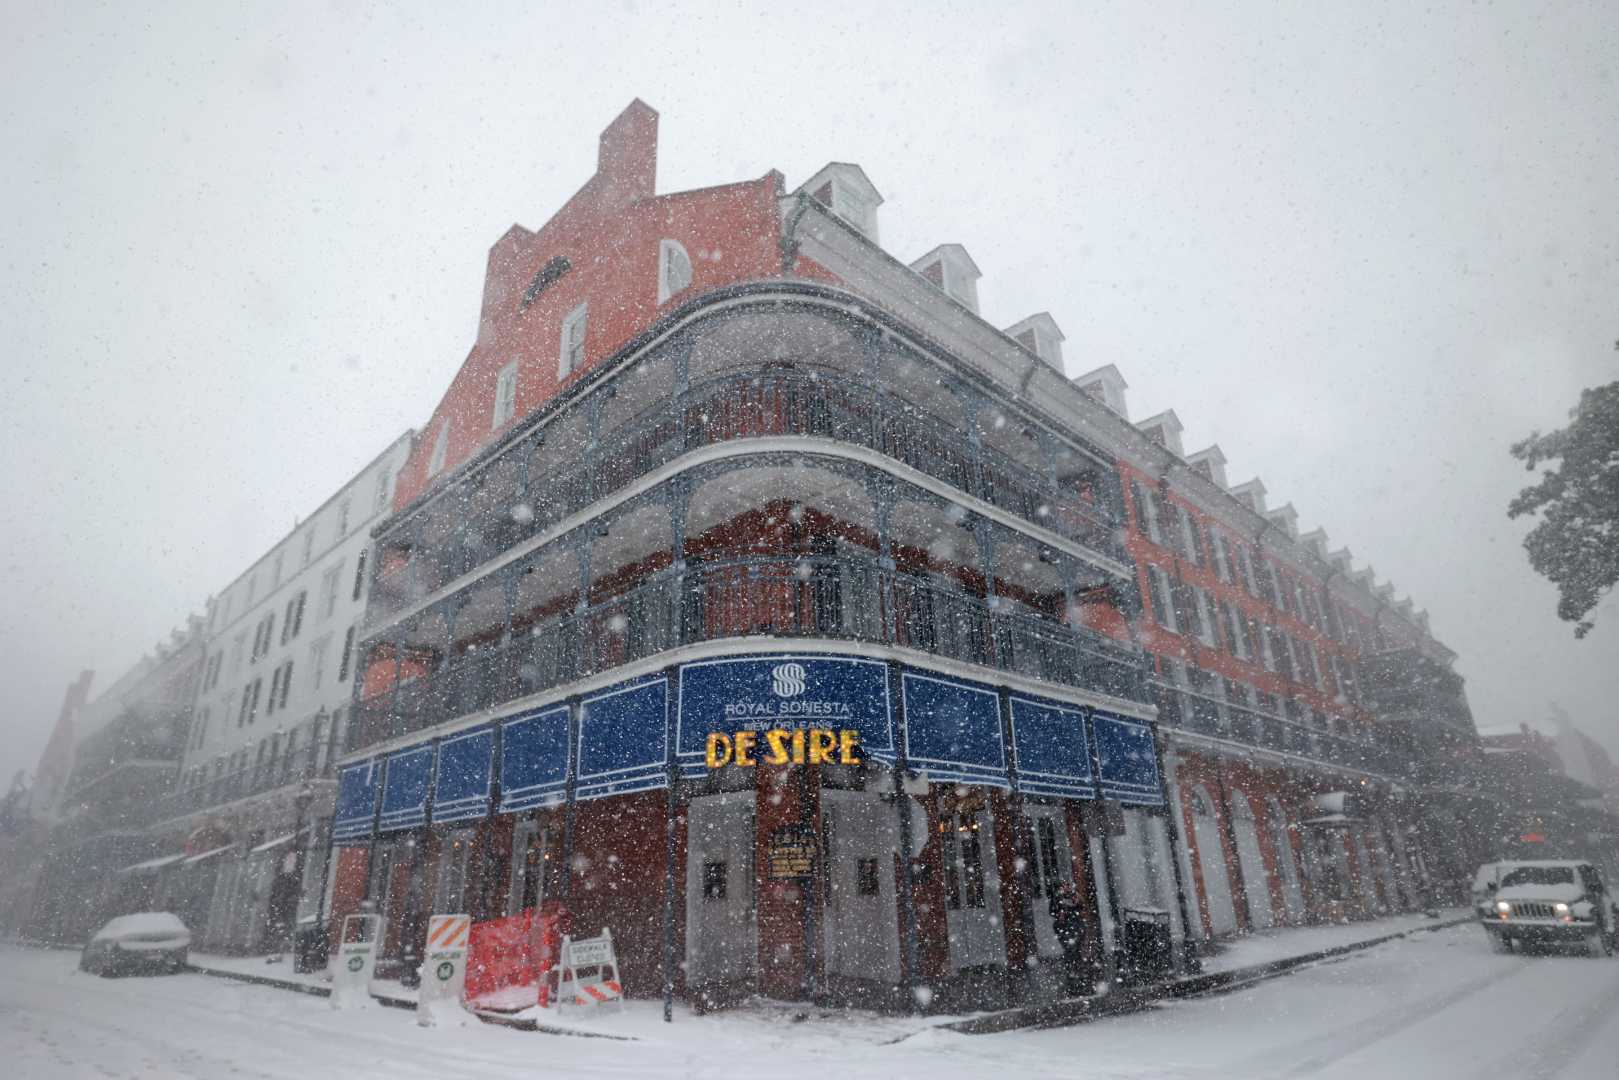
x,y
1544,902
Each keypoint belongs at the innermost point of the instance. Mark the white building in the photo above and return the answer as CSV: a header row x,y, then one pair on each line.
x,y
272,709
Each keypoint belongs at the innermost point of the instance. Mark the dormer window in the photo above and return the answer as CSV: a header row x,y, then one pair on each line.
x,y
674,270
1165,430
1040,335
844,189
1107,386
853,206
953,271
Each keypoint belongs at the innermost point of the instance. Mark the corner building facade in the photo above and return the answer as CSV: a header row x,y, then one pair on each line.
x,y
690,484
721,478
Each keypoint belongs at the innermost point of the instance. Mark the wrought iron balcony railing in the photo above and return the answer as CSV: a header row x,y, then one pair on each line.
x,y
794,402
841,597
1185,709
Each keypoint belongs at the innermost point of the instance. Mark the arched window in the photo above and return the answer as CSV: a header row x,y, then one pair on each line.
x,y
674,269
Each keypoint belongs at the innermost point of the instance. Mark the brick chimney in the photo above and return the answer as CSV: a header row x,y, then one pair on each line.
x,y
627,159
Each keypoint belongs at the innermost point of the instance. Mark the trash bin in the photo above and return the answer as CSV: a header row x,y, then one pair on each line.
x,y
1149,947
309,946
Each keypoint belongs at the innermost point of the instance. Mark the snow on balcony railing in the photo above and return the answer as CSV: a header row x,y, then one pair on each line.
x,y
843,597
794,402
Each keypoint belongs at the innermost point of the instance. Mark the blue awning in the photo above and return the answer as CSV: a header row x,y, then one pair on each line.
x,y
404,790
461,776
953,730
356,802
623,740
1048,744
792,692
1128,759
534,758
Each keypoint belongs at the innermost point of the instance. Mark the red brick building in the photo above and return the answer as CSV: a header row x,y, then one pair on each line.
x,y
718,469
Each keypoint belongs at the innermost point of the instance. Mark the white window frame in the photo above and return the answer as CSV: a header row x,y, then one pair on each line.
x,y
1188,534
1239,636
329,582
1164,595
317,660
380,497
852,206
1205,618
571,341
1219,554
1149,510
670,282
441,448
505,396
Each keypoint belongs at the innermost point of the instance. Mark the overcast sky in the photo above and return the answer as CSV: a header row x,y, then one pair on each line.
x,y
1363,249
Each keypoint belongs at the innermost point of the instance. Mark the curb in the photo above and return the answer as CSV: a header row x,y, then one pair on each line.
x,y
312,990
1120,1002
315,990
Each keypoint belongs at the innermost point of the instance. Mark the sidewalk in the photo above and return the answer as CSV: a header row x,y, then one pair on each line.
x,y
1238,963
1267,946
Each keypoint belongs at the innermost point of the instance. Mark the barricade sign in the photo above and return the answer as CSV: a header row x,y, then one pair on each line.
x,y
594,955
444,970
500,962
356,959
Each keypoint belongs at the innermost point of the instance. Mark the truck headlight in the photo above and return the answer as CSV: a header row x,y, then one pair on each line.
x,y
1503,907
1560,907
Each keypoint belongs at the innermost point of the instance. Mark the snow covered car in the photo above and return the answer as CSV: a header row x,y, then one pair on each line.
x,y
1551,901
147,941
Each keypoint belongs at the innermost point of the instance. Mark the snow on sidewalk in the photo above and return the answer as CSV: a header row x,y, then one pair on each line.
x,y
280,969
1268,946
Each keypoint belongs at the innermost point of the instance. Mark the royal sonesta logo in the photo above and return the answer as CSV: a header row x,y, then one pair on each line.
x,y
762,737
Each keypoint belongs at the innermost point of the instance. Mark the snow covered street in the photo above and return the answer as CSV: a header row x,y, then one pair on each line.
x,y
1435,1005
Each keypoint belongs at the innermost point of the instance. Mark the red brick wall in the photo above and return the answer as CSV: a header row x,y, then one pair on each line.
x,y
609,232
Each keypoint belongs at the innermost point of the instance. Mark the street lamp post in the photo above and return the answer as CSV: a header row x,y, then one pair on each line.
x,y
300,849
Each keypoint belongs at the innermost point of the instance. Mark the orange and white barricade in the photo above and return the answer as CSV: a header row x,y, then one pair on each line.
x,y
596,955
444,970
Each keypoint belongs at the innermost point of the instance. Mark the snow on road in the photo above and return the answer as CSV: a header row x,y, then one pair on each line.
x,y
1435,1005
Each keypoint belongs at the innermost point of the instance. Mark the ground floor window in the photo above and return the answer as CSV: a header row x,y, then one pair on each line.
x,y
454,859
536,862
962,840
1146,879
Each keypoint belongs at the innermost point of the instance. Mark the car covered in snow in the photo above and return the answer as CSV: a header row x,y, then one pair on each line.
x,y
1549,901
145,941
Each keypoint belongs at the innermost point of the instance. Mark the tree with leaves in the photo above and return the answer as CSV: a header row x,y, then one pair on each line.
x,y
1575,544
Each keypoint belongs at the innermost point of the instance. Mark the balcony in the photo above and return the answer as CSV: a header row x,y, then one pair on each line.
x,y
1187,710
305,752
749,376
846,597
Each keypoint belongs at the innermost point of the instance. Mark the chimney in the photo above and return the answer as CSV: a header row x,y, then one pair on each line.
x,y
1040,335
1209,464
1165,430
1106,386
627,159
